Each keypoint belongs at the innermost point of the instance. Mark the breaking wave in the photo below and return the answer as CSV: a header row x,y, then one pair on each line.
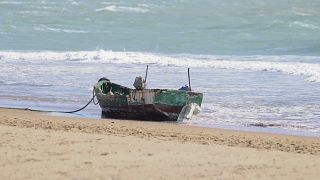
x,y
124,9
12,83
304,25
284,64
58,30
14,2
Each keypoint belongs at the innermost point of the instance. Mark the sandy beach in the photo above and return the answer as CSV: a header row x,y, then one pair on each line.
x,y
38,146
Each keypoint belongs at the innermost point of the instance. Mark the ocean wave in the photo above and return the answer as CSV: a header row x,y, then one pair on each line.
x,y
14,2
304,12
45,29
304,25
124,9
12,83
74,2
295,127
291,117
21,97
282,64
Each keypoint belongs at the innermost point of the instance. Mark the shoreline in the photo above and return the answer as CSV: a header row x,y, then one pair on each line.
x,y
257,128
172,131
35,145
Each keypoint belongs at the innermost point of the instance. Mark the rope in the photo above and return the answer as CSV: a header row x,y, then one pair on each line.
x,y
37,110
93,96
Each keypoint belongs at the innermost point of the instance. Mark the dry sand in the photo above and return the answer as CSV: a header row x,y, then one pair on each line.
x,y
37,146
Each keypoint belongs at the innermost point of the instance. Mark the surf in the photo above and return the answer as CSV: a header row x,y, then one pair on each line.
x,y
289,65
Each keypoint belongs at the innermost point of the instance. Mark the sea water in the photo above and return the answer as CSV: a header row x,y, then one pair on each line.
x,y
256,61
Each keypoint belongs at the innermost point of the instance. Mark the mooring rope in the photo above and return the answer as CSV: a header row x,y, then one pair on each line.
x,y
38,110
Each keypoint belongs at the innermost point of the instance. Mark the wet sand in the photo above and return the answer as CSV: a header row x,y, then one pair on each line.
x,y
38,146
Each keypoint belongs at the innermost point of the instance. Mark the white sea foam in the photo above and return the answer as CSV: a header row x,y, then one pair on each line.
x,y
74,2
143,5
45,28
124,9
304,25
284,117
13,2
304,11
282,64
34,12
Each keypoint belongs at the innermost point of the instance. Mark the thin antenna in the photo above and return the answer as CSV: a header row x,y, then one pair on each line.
x,y
189,79
145,77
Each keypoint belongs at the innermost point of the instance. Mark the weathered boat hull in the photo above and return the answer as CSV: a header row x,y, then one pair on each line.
x,y
149,104
142,112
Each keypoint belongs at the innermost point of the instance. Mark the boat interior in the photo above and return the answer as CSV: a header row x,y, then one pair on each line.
x,y
108,87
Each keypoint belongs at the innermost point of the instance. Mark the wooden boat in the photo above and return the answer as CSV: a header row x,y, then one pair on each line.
x,y
121,102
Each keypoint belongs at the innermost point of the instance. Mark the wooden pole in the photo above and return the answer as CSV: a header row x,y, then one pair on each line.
x,y
145,77
189,79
